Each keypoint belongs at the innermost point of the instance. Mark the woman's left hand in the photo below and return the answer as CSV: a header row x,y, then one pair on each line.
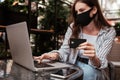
x,y
89,51
88,48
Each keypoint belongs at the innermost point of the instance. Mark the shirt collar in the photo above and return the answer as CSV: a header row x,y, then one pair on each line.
x,y
104,30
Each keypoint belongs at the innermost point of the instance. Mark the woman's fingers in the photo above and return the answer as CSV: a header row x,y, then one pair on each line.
x,y
40,58
86,43
51,56
86,47
89,53
37,58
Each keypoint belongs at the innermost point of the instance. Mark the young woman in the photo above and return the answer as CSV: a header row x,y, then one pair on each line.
x,y
90,56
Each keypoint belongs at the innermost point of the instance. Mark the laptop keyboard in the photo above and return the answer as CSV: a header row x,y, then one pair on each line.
x,y
40,65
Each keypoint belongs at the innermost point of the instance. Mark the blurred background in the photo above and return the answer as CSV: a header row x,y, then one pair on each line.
x,y
47,22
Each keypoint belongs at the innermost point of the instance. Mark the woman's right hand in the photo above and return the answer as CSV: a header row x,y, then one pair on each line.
x,y
50,56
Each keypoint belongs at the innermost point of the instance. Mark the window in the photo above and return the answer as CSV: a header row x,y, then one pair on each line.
x,y
111,8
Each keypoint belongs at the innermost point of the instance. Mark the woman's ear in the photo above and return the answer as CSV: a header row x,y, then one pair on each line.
x,y
94,11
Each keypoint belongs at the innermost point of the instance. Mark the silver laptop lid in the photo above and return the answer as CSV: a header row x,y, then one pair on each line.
x,y
20,48
19,43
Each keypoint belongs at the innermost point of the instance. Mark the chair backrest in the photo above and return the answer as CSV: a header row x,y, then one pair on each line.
x,y
114,54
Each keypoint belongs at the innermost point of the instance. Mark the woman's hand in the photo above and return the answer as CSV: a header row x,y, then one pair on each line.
x,y
89,51
88,48
50,56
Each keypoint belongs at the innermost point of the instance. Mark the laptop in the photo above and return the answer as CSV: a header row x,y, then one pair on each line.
x,y
20,48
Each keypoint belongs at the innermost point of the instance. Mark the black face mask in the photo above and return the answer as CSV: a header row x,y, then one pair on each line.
x,y
84,19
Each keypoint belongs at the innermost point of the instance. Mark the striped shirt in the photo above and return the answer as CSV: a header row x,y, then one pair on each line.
x,y
104,43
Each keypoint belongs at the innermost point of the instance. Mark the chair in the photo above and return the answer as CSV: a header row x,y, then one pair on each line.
x,y
113,58
111,69
115,52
